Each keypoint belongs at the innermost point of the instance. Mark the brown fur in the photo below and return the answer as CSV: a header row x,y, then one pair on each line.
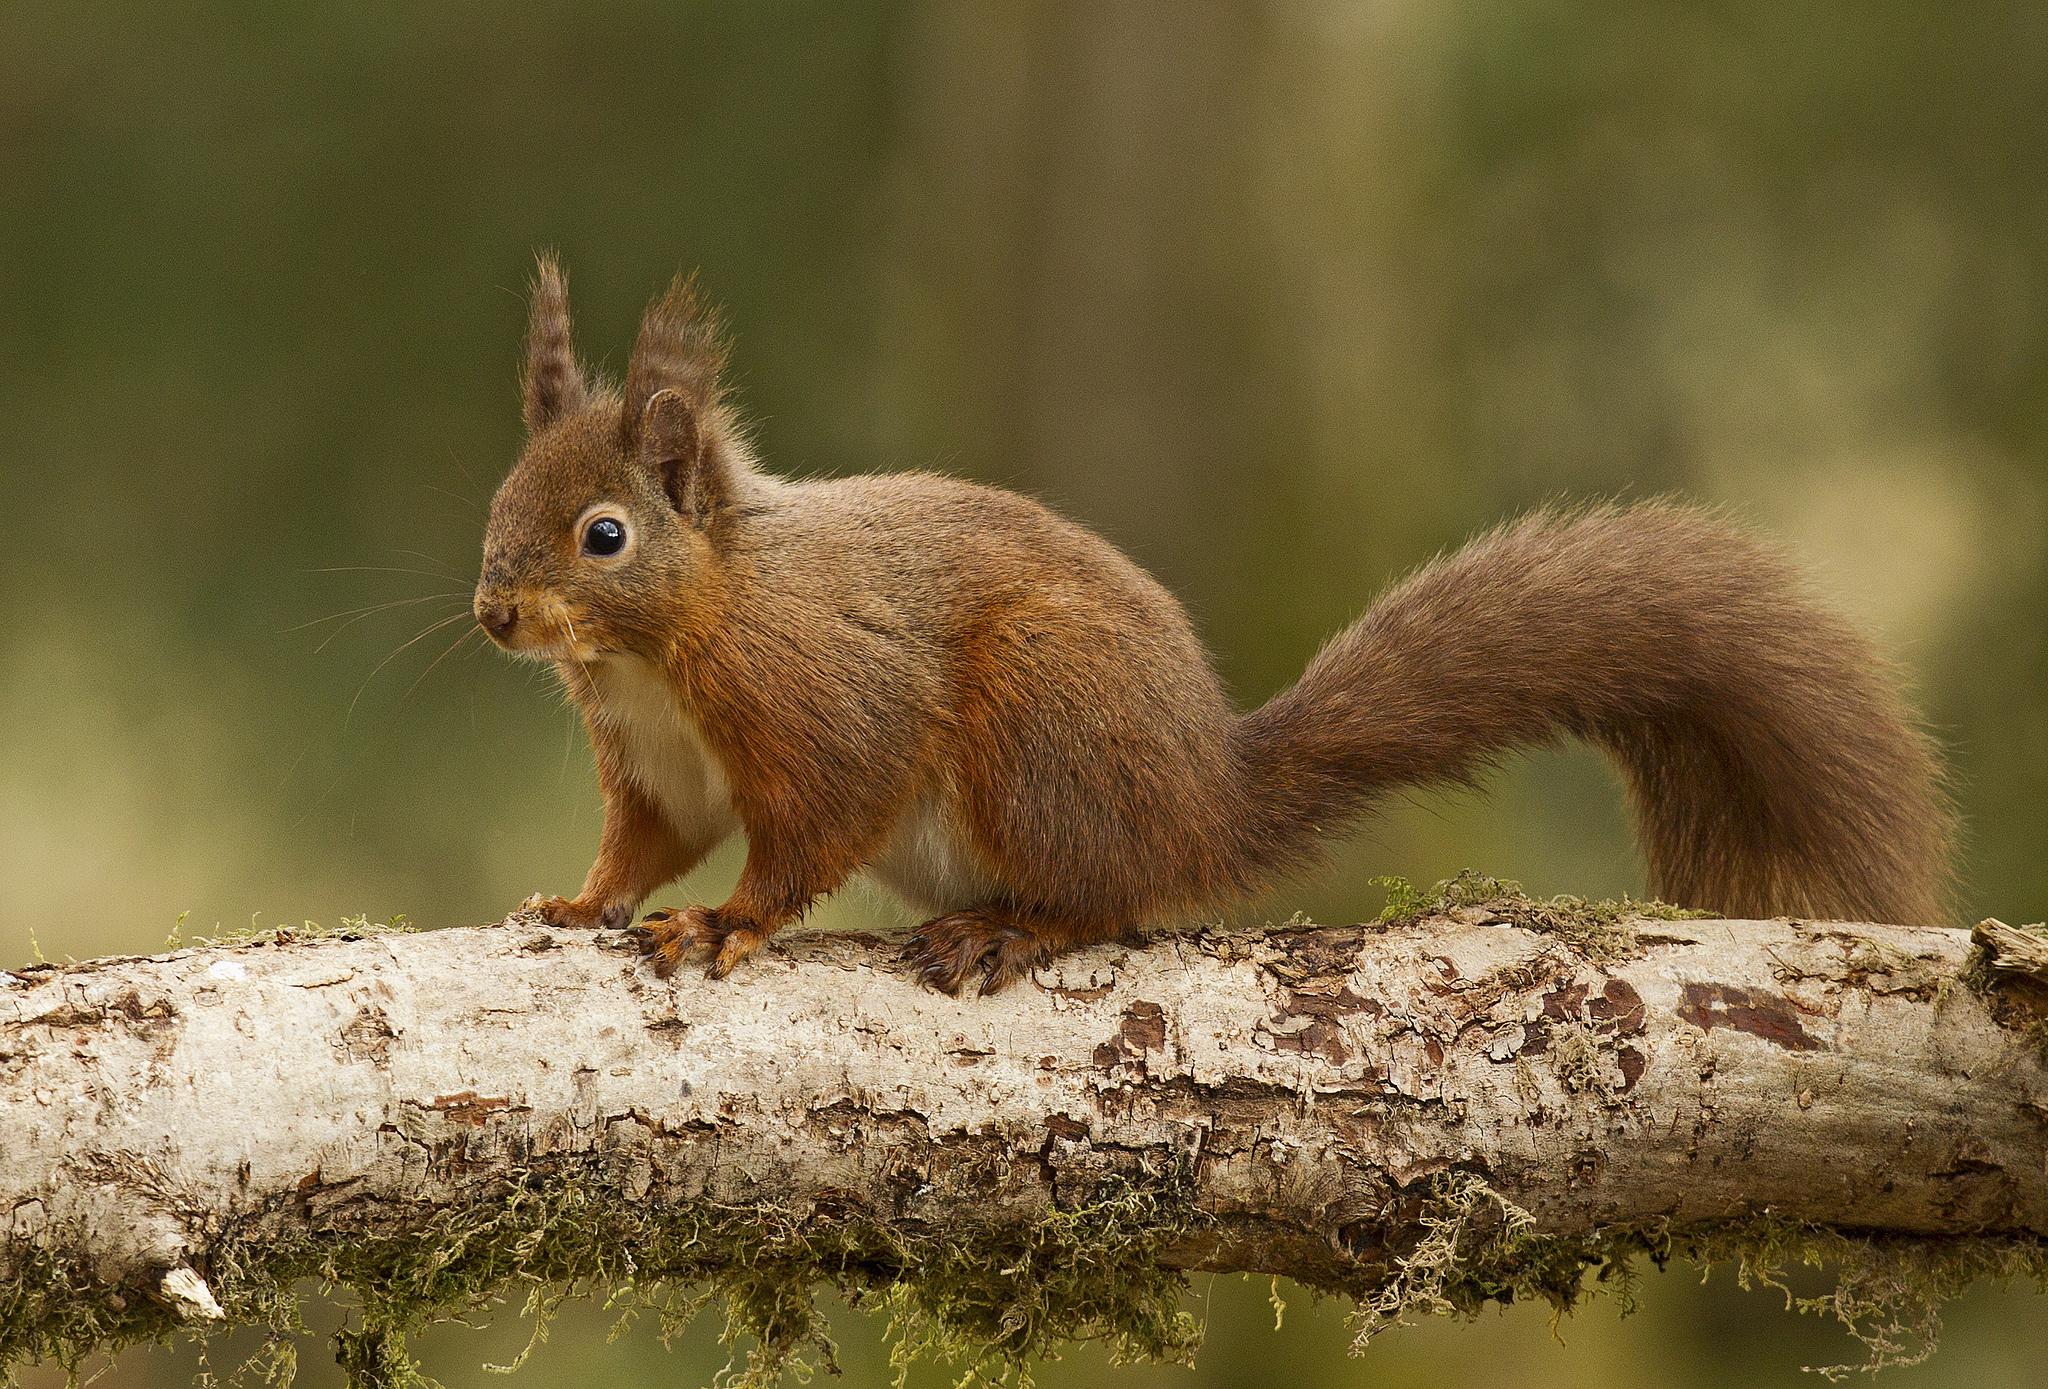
x,y
553,381
996,711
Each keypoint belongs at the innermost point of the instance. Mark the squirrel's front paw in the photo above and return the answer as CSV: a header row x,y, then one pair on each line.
x,y
578,914
673,936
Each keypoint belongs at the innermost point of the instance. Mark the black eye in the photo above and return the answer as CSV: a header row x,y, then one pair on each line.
x,y
604,536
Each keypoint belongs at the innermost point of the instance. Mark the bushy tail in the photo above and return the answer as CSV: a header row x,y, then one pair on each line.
x,y
1771,768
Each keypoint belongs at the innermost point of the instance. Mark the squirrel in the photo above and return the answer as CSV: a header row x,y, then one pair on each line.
x,y
999,716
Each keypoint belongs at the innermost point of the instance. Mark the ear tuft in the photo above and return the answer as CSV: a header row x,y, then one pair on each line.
x,y
553,384
672,448
679,349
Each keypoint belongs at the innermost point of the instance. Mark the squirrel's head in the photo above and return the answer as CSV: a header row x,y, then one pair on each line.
x,y
604,537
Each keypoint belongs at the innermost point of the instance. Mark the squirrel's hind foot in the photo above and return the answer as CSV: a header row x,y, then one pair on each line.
x,y
670,937
579,914
949,950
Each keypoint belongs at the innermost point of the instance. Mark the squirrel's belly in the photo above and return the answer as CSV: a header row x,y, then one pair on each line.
x,y
931,862
664,753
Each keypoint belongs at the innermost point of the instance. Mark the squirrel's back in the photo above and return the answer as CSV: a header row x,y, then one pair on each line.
x,y
1078,730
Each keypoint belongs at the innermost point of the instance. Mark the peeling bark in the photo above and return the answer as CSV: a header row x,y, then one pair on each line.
x,y
1303,1085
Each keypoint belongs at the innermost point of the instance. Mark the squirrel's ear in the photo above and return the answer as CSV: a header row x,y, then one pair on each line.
x,y
672,448
672,416
678,350
553,382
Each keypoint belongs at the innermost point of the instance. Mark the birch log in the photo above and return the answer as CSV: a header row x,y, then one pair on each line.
x,y
1307,1083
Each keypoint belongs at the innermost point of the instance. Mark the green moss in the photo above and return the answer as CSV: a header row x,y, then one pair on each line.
x,y
995,1297
1575,1059
1599,930
1478,1247
51,1310
349,928
58,1311
1092,1273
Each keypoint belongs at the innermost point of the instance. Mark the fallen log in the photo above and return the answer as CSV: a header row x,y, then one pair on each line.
x,y
1491,1099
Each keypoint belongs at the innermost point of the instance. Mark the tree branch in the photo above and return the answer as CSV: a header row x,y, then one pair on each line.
x,y
1483,1102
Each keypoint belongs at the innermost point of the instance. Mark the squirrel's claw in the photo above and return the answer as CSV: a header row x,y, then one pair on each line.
x,y
947,951
740,942
670,937
577,914
931,970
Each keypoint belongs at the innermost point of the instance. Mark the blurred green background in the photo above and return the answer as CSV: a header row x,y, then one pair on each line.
x,y
1282,297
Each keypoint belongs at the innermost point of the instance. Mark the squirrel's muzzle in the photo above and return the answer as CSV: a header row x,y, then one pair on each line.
x,y
497,618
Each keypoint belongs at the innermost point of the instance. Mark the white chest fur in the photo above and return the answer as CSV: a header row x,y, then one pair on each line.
x,y
930,862
665,754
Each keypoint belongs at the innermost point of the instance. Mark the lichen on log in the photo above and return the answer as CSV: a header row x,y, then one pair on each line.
x,y
1492,1098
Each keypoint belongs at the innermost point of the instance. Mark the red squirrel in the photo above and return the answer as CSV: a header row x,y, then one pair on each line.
x,y
999,716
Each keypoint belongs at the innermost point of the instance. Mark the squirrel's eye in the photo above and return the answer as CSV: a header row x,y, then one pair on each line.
x,y
604,536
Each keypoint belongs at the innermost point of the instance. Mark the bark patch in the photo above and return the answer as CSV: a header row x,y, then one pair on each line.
x,y
1066,1126
1315,1002
1320,1038
1143,1029
1619,1008
1707,1006
1564,1003
468,1107
368,1036
1298,956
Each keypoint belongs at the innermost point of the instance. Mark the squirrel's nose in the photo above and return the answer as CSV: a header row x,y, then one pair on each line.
x,y
498,618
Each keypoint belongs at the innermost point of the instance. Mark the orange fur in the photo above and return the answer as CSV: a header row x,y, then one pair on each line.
x,y
998,714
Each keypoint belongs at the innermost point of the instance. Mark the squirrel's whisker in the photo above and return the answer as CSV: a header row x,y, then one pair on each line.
x,y
452,617
355,615
391,569
472,632
469,502
438,563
